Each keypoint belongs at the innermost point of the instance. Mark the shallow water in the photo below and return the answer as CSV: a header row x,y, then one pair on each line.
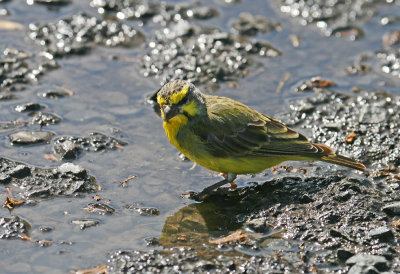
x,y
110,97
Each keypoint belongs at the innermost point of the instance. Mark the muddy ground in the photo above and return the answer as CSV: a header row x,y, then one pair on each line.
x,y
88,178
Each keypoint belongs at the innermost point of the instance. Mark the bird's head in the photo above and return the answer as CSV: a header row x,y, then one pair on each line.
x,y
178,98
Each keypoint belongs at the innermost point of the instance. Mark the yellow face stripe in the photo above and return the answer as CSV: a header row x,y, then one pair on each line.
x,y
190,108
178,96
161,101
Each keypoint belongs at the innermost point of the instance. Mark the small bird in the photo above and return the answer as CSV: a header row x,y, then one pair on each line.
x,y
226,136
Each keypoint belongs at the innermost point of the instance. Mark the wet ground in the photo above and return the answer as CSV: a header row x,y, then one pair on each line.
x,y
88,177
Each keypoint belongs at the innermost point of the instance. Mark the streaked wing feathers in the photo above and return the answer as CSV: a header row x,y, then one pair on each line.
x,y
255,135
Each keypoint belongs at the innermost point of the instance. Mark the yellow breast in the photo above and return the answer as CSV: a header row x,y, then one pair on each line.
x,y
196,151
172,128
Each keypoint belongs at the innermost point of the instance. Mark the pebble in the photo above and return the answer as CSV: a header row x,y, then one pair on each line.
x,y
29,107
365,261
67,150
30,137
13,227
101,209
85,223
70,168
382,233
392,208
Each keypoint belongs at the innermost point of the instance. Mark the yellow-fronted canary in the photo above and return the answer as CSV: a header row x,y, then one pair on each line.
x,y
226,136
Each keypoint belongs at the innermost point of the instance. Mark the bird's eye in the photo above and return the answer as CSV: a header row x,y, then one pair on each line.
x,y
183,101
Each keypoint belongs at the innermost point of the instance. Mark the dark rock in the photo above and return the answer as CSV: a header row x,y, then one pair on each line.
x,y
390,60
18,68
13,69
337,233
4,178
151,241
78,33
258,224
13,227
68,147
144,211
29,107
161,13
51,2
201,13
30,137
344,196
351,32
392,208
20,171
153,261
85,223
305,199
382,233
7,97
332,126
100,208
67,150
365,269
44,119
53,94
313,83
372,115
201,55
248,24
185,260
365,261
358,69
343,254
128,9
333,18
148,211
46,228
67,179
71,168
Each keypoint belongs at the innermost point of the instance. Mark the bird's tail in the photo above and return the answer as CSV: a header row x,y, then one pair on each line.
x,y
330,157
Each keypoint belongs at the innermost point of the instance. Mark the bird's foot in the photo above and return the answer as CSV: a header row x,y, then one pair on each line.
x,y
200,196
232,185
195,196
229,176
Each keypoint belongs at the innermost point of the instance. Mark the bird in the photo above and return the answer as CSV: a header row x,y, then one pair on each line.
x,y
227,136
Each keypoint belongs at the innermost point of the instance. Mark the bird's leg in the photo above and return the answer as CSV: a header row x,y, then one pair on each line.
x,y
229,178
209,189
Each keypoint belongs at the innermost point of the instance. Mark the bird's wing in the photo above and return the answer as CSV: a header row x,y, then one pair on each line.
x,y
251,133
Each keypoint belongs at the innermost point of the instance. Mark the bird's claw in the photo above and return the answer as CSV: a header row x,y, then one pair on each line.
x,y
232,185
198,196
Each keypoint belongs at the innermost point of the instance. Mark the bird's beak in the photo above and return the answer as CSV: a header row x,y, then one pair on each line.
x,y
170,112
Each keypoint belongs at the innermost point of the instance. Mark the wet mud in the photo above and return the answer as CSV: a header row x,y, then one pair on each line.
x,y
88,178
298,221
